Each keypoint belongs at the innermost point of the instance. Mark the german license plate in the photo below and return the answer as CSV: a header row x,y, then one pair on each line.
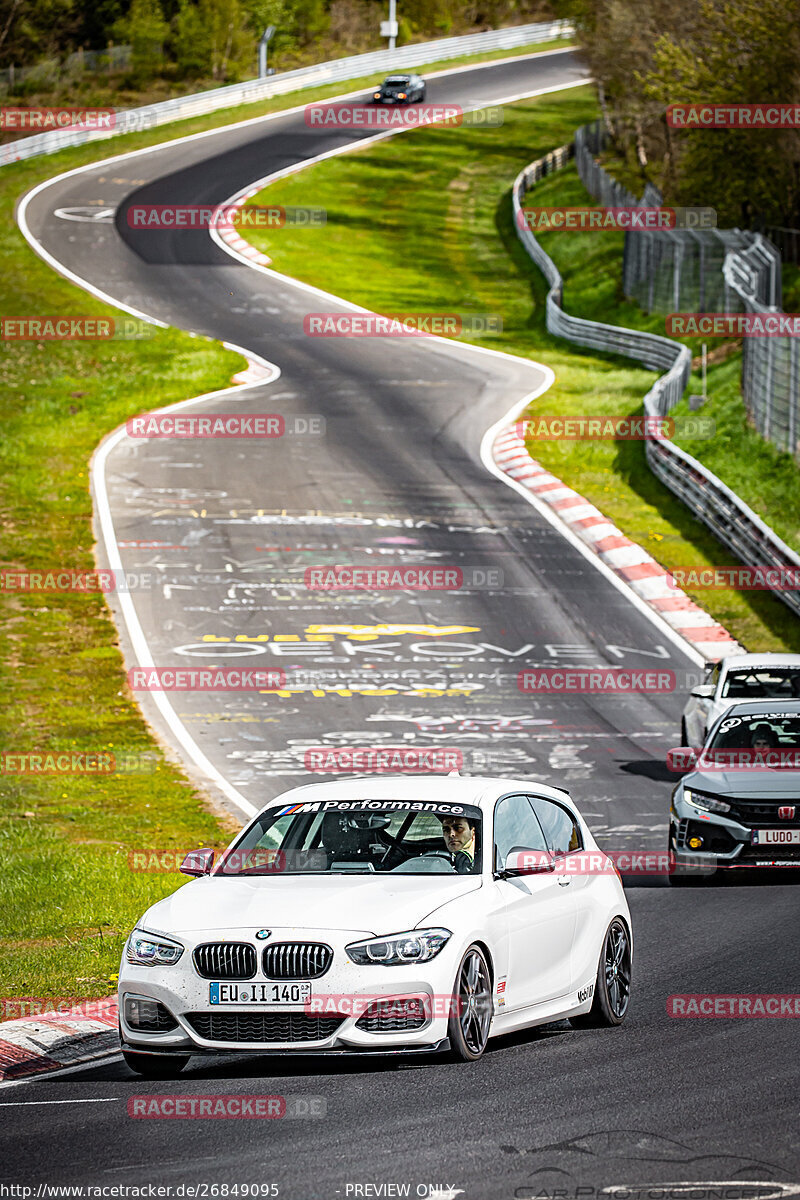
x,y
775,837
271,994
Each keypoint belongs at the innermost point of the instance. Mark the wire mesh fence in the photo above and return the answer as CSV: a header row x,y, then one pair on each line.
x,y
50,71
708,271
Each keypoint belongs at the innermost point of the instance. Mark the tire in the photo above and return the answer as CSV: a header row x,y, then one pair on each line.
x,y
612,990
155,1066
684,734
469,1023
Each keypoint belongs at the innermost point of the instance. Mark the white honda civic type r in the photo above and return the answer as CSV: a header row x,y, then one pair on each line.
x,y
381,914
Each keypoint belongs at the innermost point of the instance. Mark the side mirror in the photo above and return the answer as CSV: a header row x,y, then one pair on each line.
x,y
528,862
681,760
198,862
703,691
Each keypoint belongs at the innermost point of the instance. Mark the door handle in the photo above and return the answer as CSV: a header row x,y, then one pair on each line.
x,y
564,880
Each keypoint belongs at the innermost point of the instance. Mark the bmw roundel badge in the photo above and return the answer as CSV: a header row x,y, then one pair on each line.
x,y
263,934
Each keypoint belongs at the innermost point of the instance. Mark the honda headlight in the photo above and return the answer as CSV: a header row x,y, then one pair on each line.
x,y
152,950
416,946
700,800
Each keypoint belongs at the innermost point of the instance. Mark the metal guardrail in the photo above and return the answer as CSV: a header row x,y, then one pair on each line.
x,y
182,107
704,494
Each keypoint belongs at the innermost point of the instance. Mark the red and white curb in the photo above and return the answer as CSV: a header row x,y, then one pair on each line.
x,y
256,371
231,237
49,1041
647,578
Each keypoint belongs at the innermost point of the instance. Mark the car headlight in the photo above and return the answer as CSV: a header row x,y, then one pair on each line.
x,y
416,946
152,950
703,801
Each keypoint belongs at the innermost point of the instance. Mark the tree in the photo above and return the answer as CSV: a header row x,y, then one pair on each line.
x,y
145,29
744,51
214,38
648,54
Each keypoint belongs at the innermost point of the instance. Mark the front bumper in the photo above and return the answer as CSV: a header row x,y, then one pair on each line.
x,y
726,839
339,997
182,1051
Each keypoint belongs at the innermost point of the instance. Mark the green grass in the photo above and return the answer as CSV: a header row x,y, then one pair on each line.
x,y
67,895
447,243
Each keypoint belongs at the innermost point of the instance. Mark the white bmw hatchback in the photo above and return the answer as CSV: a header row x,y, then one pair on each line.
x,y
381,914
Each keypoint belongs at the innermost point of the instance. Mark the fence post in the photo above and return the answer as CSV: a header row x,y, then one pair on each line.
x,y
794,399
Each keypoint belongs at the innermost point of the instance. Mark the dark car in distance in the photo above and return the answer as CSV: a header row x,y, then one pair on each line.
x,y
400,89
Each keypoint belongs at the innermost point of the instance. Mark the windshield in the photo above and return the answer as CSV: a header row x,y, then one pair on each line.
x,y
759,733
758,684
396,81
411,837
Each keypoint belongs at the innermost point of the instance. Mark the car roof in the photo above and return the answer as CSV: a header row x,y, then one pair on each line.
x,y
768,659
746,708
477,790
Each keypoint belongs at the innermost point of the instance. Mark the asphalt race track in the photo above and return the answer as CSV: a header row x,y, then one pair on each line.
x,y
226,529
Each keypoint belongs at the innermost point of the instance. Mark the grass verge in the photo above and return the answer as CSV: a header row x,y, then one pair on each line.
x,y
447,243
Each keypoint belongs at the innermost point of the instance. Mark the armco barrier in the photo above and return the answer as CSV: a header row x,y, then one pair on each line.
x,y
340,69
707,497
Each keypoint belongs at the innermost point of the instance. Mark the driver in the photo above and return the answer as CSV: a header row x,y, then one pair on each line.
x,y
763,737
459,838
